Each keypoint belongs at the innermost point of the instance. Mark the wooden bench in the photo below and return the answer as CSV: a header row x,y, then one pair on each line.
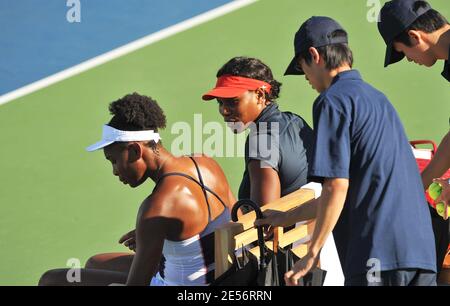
x,y
235,235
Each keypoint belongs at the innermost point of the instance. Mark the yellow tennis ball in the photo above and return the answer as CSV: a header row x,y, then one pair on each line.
x,y
440,209
434,190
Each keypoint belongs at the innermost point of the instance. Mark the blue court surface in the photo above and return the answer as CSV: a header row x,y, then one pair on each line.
x,y
38,41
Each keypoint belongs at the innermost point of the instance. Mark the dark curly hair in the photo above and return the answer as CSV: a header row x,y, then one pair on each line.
x,y
252,68
135,112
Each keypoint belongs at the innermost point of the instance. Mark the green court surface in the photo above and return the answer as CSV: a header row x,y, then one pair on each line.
x,y
59,202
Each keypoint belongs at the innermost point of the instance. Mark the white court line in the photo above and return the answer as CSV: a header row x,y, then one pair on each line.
x,y
125,49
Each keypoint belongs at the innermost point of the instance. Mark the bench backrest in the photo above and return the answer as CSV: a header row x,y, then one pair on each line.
x,y
235,235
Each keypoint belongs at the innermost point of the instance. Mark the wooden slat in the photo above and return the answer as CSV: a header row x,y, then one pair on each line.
x,y
299,251
224,246
246,237
284,239
285,203
225,242
276,237
293,235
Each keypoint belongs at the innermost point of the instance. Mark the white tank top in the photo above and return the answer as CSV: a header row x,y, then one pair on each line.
x,y
191,262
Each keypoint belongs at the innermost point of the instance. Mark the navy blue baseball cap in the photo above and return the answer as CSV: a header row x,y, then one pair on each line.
x,y
315,32
395,17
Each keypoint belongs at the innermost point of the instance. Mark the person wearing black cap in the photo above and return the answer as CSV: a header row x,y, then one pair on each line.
x,y
412,28
372,198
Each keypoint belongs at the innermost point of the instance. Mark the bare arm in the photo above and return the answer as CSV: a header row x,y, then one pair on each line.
x,y
300,213
303,212
151,230
328,211
439,164
264,183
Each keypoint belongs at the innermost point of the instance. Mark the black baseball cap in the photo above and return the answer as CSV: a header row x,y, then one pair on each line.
x,y
395,17
315,32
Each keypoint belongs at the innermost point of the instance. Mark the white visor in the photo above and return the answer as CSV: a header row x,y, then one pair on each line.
x,y
111,135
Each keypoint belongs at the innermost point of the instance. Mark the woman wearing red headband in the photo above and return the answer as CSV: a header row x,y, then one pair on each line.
x,y
277,149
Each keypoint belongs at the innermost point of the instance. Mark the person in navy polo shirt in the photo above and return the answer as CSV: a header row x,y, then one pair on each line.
x,y
372,198
412,28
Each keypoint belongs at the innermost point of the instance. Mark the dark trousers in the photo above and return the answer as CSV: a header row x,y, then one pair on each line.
x,y
441,237
401,277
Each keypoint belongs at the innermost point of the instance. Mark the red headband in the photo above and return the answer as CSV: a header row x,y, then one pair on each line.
x,y
229,86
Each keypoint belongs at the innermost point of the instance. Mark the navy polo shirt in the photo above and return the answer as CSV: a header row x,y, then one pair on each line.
x,y
359,136
281,141
446,72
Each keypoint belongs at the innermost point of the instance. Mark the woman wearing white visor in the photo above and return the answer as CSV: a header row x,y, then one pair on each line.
x,y
174,236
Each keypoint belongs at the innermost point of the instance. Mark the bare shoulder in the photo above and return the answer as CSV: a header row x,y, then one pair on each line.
x,y
215,178
170,199
209,163
175,201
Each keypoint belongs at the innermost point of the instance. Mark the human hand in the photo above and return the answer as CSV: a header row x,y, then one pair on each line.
x,y
129,240
271,220
300,269
444,197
